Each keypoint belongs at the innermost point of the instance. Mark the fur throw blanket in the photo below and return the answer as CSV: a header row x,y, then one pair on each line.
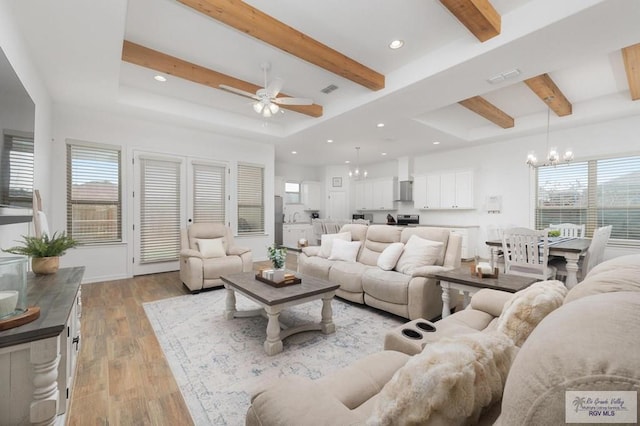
x,y
528,307
448,383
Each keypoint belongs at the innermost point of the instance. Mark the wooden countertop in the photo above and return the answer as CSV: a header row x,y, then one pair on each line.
x,y
55,295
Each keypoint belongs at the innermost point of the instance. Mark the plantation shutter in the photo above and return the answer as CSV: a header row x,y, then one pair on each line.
x,y
94,203
159,210
209,193
250,199
17,169
562,194
596,193
617,197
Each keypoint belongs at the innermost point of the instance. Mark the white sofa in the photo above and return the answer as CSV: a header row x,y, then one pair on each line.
x,y
588,343
414,295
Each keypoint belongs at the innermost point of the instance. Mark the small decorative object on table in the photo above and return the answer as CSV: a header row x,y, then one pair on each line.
x,y
554,233
484,270
278,257
44,251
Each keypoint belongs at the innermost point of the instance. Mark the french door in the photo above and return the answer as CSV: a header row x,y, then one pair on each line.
x,y
171,192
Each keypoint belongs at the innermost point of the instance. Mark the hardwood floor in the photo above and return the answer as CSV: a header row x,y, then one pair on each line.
x,y
122,376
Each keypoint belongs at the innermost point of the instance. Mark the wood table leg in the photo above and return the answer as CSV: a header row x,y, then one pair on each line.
x,y
572,270
326,325
230,304
273,344
446,310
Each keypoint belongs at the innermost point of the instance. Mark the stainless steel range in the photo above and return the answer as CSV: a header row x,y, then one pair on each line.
x,y
408,219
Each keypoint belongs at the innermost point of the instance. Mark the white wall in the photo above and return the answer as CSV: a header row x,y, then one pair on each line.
x,y
109,262
15,49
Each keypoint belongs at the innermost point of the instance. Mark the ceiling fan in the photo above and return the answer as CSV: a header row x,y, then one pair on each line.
x,y
266,99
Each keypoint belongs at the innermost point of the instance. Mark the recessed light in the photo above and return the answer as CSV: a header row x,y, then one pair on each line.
x,y
329,140
436,143
384,153
396,44
347,162
160,78
380,124
294,152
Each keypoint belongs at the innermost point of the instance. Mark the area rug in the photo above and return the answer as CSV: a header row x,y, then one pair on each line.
x,y
217,363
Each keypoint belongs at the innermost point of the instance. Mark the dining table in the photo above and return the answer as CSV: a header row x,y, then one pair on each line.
x,y
569,248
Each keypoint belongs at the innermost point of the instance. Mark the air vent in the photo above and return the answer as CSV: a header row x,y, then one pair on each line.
x,y
330,88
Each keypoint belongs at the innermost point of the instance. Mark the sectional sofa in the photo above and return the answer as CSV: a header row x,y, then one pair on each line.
x,y
398,279
508,359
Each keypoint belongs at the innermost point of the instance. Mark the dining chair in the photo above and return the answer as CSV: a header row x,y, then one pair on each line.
x,y
526,253
594,255
570,230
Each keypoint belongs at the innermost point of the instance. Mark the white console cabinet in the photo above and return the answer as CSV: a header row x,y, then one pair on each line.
x,y
293,232
38,359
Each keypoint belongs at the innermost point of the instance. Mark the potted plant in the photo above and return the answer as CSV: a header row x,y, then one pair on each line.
x,y
44,251
278,256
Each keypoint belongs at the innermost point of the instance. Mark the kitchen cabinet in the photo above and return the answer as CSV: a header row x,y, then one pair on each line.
x,y
311,195
293,232
426,192
376,194
446,190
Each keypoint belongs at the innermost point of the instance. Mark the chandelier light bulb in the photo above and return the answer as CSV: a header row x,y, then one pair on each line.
x,y
568,155
258,107
274,108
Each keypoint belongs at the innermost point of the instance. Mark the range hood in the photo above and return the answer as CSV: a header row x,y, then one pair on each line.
x,y
405,184
405,191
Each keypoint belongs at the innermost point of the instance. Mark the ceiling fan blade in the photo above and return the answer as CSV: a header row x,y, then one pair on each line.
x,y
238,92
293,101
274,87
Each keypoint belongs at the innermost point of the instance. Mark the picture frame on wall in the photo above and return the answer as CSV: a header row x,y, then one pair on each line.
x,y
336,182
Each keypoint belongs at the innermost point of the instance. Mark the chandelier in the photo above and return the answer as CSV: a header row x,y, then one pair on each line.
x,y
553,157
265,107
357,174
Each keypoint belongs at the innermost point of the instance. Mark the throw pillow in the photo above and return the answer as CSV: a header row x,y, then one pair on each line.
x,y
449,383
418,252
211,247
326,242
344,250
522,313
389,256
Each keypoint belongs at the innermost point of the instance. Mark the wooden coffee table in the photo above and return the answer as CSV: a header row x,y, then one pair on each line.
x,y
462,280
274,300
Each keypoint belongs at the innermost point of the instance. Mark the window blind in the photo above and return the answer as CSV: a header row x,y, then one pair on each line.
x,y
159,210
250,199
597,193
17,170
209,193
94,204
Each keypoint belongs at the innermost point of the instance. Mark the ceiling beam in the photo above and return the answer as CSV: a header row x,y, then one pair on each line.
x,y
482,107
478,16
251,21
631,56
547,90
149,58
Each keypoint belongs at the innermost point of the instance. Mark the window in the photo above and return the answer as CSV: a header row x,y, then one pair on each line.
x,y
209,193
250,199
292,193
17,169
597,193
94,203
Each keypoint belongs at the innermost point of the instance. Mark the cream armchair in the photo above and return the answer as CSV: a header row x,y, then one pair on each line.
x,y
208,251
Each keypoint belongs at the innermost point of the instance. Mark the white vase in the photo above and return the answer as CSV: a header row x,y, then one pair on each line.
x,y
278,275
